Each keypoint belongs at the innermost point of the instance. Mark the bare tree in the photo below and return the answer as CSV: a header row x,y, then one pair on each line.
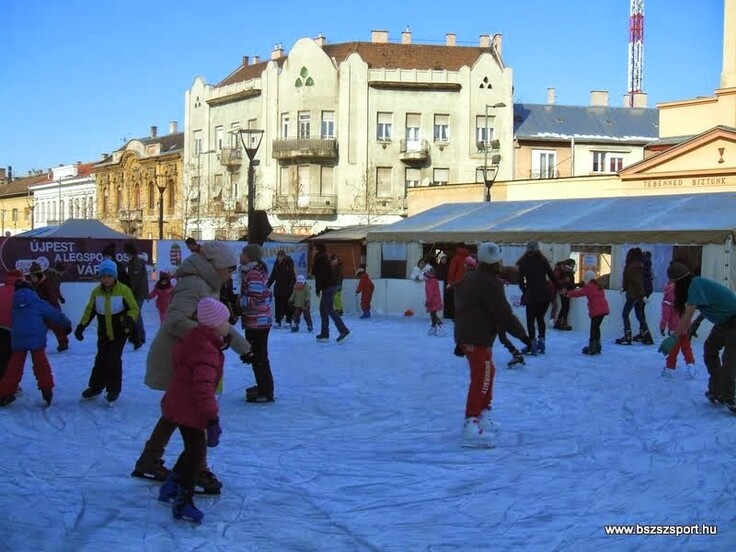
x,y
365,197
293,206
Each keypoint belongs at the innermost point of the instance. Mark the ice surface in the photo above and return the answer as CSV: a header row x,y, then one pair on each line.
x,y
361,451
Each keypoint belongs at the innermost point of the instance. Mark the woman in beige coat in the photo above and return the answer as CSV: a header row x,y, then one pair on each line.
x,y
200,275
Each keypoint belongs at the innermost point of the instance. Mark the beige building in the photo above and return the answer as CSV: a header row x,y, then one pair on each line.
x,y
134,180
16,201
348,129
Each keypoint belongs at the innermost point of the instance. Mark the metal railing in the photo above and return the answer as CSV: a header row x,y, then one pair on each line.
x,y
317,146
231,157
305,202
415,147
130,215
544,175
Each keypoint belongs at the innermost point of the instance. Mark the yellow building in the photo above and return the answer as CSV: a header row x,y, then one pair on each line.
x,y
139,189
16,202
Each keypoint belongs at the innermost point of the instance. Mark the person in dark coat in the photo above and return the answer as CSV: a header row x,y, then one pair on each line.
x,y
138,276
55,274
481,310
283,278
49,292
325,284
443,268
109,252
633,286
565,273
535,276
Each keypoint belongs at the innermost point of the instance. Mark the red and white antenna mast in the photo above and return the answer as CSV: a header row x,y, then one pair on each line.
x,y
636,50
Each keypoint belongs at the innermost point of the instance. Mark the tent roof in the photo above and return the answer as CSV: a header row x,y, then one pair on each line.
x,y
356,232
677,219
77,228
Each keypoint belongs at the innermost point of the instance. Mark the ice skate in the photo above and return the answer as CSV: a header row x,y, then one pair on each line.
x,y
170,489
626,339
712,398
692,370
668,373
440,330
206,483
155,470
6,400
343,336
486,421
251,391
184,507
47,395
432,330
516,360
474,435
294,328
647,338
540,346
90,393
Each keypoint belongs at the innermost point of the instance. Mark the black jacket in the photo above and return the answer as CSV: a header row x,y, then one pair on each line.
x,y
534,271
481,309
324,276
138,276
284,277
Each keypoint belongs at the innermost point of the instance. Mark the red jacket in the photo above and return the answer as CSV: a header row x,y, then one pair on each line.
x,y
597,303
163,297
190,399
670,317
6,302
366,287
457,266
47,290
432,290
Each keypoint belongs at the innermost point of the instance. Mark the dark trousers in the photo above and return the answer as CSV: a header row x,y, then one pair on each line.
x,y
535,312
638,306
195,448
435,319
595,327
5,351
506,342
448,308
283,309
721,367
156,444
140,328
327,311
258,339
107,372
299,311
564,308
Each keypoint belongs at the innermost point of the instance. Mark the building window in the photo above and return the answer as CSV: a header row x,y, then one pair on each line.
x,y
440,177
285,180
217,186
151,196
91,207
484,130
197,142
383,182
327,184
137,196
544,164
171,190
52,212
615,162
412,177
284,125
599,161
61,211
413,127
118,199
383,129
234,127
303,180
305,123
441,128
27,213
219,137
604,161
105,194
252,124
328,124
15,215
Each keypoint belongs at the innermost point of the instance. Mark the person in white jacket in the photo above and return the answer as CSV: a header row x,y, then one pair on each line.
x,y
418,272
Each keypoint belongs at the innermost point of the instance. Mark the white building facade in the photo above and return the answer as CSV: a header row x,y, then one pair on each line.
x,y
347,129
71,194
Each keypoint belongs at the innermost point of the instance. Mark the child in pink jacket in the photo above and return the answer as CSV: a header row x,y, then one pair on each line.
x,y
433,302
597,309
668,322
162,291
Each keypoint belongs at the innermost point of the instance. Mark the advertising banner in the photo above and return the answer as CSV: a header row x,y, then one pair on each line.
x,y
79,256
171,253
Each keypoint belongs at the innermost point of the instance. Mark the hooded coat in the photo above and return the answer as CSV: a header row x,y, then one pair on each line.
x,y
535,275
6,301
32,317
196,278
457,265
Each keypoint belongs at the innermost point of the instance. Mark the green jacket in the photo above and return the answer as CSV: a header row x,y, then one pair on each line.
x,y
111,307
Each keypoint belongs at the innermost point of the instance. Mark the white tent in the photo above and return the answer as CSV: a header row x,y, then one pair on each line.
x,y
77,228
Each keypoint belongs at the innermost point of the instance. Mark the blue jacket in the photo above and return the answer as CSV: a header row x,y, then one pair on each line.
x,y
31,317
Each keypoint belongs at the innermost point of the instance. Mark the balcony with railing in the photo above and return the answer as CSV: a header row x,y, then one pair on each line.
x,y
414,151
312,147
308,204
544,174
231,158
131,215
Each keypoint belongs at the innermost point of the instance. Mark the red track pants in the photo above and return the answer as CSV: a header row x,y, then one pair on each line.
x,y
14,373
482,374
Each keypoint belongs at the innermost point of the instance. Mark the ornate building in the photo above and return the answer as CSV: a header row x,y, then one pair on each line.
x,y
139,189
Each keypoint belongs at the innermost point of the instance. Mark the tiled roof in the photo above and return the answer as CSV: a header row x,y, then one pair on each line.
x,y
85,169
563,122
170,143
383,56
20,186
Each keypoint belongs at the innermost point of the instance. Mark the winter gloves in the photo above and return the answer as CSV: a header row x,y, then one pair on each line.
x,y
213,433
248,357
68,330
667,344
458,352
79,333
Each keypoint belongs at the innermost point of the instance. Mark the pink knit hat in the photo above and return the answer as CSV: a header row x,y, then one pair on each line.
x,y
212,313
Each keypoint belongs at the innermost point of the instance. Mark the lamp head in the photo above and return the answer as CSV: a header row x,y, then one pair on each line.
x,y
251,139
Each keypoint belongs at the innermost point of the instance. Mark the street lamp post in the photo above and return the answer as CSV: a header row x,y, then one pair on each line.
x,y
486,181
167,175
199,185
251,139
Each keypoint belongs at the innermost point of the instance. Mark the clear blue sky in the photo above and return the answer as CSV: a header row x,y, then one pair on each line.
x,y
80,77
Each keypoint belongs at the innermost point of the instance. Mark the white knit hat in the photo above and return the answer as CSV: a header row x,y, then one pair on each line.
x,y
588,276
301,279
489,253
212,313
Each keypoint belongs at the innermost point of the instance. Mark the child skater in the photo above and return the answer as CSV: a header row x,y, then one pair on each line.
x,y
433,302
667,323
365,288
6,317
597,309
32,318
190,403
162,292
300,300
116,310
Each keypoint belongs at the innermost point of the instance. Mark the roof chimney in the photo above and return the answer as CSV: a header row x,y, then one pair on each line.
x,y
245,61
640,99
406,36
2,175
599,98
320,40
550,96
379,37
154,131
277,52
497,42
256,59
485,41
103,156
10,173
450,39
173,127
